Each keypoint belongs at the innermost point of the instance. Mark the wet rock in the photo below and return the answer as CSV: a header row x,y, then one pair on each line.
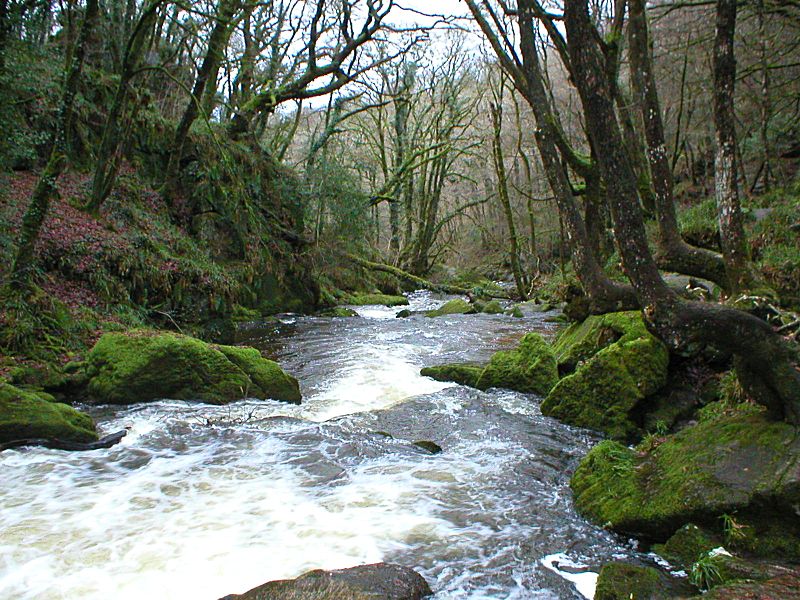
x,y
453,307
530,368
515,312
730,464
783,587
617,365
623,581
462,373
380,581
431,447
139,366
25,414
377,299
403,314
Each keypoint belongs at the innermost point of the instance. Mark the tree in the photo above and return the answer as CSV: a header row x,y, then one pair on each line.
x,y
46,188
766,364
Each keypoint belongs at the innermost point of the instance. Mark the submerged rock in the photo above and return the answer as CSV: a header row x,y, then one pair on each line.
x,y
403,314
377,299
453,307
462,373
617,364
530,368
139,366
380,581
339,311
25,414
740,464
431,447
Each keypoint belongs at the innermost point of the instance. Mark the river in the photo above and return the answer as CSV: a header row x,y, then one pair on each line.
x,y
199,501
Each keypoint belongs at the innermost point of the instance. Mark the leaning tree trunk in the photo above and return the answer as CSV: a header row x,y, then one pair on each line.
x,y
766,363
674,253
206,76
731,224
46,187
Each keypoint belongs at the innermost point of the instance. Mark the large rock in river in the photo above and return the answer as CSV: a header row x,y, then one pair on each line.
x,y
739,464
139,366
25,414
367,582
617,365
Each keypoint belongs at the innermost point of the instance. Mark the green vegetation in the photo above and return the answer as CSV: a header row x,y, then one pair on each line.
x,y
621,581
529,368
453,307
464,374
25,414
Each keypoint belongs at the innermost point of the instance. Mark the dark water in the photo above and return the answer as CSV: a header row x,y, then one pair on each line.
x,y
203,501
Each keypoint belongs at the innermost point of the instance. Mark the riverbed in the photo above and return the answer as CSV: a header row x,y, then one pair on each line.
x,y
200,501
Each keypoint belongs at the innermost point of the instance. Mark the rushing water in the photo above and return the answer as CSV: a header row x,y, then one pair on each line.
x,y
198,501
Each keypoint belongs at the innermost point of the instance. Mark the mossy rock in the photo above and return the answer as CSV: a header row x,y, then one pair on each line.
x,y
623,581
270,380
377,299
339,312
530,368
580,341
464,374
687,545
515,312
140,366
492,308
429,446
728,465
453,307
403,314
785,586
241,314
604,391
25,414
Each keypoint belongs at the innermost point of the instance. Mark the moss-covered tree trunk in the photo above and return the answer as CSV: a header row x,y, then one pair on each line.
x,y
766,363
674,253
206,77
731,223
46,187
108,156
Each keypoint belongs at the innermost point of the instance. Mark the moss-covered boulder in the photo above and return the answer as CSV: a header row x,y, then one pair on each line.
x,y
530,368
339,312
139,366
687,545
623,581
492,308
25,414
732,464
618,365
464,374
377,299
781,587
453,307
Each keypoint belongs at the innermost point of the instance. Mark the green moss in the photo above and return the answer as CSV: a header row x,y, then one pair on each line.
x,y
403,314
139,366
377,299
244,315
530,368
605,390
687,545
733,463
453,307
515,312
25,414
270,380
492,308
339,312
465,374
622,581
581,341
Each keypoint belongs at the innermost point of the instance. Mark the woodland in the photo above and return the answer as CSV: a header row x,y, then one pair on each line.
x,y
170,171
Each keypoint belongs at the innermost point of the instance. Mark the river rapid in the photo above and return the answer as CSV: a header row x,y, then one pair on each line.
x,y
200,501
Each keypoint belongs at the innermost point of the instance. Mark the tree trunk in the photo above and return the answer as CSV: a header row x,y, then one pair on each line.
x,y
505,201
766,363
206,76
674,253
731,223
46,187
105,174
